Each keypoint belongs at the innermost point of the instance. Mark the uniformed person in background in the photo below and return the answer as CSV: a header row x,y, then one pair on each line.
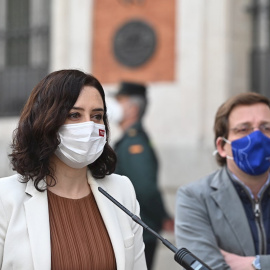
x,y
138,161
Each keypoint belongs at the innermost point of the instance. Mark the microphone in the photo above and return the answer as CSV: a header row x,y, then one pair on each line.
x,y
183,256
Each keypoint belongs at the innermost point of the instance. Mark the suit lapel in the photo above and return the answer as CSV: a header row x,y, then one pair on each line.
x,y
107,211
229,202
37,218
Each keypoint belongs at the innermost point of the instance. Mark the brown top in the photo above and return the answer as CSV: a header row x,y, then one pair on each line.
x,y
79,239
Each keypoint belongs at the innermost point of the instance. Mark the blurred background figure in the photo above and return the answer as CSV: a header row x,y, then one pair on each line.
x,y
137,160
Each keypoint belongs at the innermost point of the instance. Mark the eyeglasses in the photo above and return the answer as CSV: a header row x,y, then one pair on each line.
x,y
245,129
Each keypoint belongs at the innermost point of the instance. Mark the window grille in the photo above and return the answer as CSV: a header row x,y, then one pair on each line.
x,y
24,51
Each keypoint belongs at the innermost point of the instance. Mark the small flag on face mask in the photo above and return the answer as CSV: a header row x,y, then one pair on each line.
x,y
101,132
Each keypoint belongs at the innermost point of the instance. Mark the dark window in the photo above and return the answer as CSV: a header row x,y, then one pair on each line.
x,y
24,45
17,35
260,54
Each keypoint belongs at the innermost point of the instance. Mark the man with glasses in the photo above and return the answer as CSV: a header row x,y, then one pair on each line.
x,y
224,218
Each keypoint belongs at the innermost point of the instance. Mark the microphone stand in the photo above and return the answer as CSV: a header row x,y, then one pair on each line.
x,y
183,256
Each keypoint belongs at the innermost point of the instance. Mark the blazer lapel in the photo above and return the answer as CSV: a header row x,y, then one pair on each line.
x,y
37,218
229,202
107,211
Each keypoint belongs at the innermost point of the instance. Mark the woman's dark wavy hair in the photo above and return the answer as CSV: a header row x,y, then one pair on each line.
x,y
221,125
35,139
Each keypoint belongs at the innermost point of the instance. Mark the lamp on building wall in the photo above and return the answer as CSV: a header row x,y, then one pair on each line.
x,y
260,55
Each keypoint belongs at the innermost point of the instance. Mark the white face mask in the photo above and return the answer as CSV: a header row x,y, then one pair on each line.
x,y
227,141
115,111
81,144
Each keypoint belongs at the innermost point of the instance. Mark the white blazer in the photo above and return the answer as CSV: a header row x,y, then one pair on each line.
x,y
25,230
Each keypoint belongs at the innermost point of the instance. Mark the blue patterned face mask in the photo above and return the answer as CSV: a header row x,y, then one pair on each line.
x,y
251,153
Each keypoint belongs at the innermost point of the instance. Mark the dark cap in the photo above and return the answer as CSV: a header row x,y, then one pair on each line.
x,y
131,89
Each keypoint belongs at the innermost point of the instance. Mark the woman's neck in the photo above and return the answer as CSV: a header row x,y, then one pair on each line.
x,y
70,183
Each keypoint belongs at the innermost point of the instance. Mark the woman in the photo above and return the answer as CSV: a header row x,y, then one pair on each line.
x,y
52,215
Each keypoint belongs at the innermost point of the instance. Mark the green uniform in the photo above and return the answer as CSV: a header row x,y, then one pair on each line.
x,y
137,160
